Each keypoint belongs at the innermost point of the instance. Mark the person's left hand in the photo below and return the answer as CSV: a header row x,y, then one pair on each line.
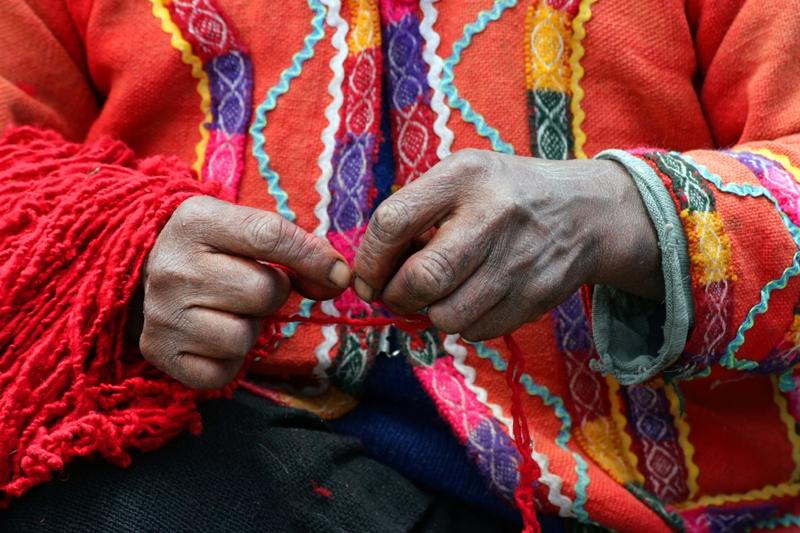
x,y
515,237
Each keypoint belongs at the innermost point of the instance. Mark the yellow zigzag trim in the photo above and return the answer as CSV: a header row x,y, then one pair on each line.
x,y
598,437
683,440
529,16
709,246
791,431
784,161
628,457
578,33
182,45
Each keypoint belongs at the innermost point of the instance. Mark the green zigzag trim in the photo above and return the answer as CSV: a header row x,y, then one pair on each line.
x,y
787,520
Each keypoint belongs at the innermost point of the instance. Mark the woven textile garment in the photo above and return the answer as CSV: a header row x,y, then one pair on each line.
x,y
277,105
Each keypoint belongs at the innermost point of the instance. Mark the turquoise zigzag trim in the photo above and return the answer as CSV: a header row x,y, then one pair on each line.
x,y
786,521
729,360
271,100
449,89
564,434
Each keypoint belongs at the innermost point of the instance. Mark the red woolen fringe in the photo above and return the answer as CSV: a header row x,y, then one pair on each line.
x,y
77,224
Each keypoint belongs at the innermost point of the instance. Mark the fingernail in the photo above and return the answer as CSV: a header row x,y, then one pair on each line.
x,y
363,290
340,275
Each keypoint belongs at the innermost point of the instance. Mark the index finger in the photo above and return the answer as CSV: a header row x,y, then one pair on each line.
x,y
395,224
244,231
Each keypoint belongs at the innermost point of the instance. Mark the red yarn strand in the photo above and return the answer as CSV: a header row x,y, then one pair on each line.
x,y
528,469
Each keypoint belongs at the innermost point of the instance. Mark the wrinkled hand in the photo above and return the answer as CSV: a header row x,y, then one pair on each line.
x,y
515,237
205,291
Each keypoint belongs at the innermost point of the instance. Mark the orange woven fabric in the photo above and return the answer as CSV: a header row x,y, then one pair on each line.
x,y
697,78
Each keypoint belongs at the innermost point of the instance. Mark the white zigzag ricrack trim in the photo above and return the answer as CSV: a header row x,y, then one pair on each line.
x,y
435,65
553,482
328,136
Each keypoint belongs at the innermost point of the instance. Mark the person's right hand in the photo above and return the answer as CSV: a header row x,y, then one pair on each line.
x,y
205,291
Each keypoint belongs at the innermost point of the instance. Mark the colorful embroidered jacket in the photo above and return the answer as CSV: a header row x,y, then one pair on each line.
x,y
280,105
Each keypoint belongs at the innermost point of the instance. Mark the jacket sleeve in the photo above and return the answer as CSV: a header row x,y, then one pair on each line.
x,y
77,223
731,275
43,73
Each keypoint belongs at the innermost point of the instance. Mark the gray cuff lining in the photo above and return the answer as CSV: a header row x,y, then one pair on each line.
x,y
622,332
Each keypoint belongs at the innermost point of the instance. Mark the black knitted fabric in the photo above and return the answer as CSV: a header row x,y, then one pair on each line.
x,y
254,468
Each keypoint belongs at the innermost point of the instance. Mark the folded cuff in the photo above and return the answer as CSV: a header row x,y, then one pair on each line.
x,y
627,329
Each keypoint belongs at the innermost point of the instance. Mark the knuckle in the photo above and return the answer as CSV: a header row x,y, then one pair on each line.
x,y
272,296
413,286
169,273
468,158
367,260
261,287
212,377
156,315
471,155
147,345
512,207
205,373
390,221
177,319
501,273
276,236
166,320
264,231
430,276
172,363
158,353
477,165
498,286
475,335
484,330
194,209
239,338
301,245
446,320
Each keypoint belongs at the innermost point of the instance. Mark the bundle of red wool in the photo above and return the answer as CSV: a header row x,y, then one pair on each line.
x,y
77,225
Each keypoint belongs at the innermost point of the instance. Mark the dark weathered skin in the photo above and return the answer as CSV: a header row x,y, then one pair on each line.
x,y
515,236
206,291
486,242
